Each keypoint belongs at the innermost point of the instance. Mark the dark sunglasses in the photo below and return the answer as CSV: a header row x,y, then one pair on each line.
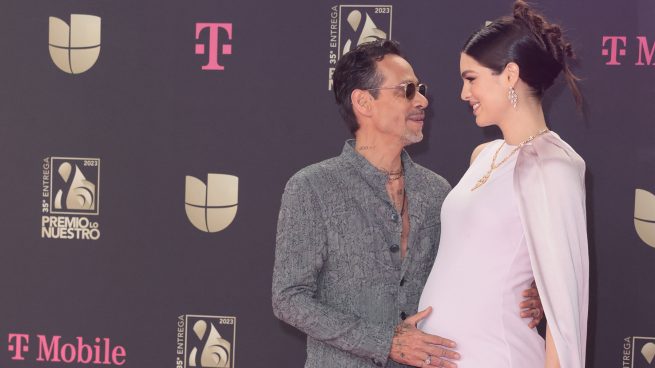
x,y
409,88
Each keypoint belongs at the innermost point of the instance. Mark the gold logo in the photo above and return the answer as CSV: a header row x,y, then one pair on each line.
x,y
216,352
367,33
645,216
648,351
370,32
74,49
206,341
212,207
81,195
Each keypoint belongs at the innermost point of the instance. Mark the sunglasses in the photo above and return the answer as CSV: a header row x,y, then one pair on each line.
x,y
409,88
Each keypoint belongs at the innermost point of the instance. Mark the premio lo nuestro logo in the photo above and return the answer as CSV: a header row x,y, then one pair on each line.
x,y
206,341
353,25
74,48
645,216
70,198
211,207
638,352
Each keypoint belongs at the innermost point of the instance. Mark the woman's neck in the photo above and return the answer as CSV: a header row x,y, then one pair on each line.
x,y
523,123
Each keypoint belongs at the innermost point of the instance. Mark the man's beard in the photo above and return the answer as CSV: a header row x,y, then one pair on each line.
x,y
410,137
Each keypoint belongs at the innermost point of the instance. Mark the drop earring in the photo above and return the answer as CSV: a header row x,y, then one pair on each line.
x,y
513,97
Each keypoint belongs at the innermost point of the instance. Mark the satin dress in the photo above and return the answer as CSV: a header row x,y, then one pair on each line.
x,y
495,241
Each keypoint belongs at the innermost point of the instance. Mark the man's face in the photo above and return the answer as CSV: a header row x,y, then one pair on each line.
x,y
394,115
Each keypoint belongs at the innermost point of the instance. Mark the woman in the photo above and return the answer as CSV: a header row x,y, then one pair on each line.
x,y
517,214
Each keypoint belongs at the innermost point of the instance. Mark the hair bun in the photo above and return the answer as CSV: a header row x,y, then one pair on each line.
x,y
549,34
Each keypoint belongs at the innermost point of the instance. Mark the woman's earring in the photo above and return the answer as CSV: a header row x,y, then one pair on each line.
x,y
513,97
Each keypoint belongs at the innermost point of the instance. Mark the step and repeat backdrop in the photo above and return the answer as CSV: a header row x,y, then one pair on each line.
x,y
145,146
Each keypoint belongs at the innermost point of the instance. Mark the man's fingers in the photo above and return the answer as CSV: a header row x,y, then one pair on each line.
x,y
531,293
438,362
532,312
439,352
530,303
438,340
535,314
434,362
414,319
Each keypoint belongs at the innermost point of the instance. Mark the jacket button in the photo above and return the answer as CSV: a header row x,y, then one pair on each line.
x,y
403,315
394,248
377,362
394,217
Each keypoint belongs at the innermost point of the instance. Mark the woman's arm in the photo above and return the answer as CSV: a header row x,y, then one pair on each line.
x,y
549,182
552,360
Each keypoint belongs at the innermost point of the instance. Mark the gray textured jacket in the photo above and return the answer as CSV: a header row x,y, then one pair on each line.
x,y
338,274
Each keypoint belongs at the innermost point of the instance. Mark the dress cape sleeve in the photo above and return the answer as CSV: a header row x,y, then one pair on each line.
x,y
549,184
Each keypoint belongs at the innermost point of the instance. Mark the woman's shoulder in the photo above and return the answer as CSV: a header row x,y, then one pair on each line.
x,y
553,148
481,147
553,156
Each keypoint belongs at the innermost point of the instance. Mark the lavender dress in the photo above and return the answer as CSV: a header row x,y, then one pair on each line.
x,y
526,223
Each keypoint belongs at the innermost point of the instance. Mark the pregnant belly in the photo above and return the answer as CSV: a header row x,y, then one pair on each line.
x,y
473,306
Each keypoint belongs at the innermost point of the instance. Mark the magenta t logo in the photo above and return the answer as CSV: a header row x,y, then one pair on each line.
x,y
18,345
613,48
214,42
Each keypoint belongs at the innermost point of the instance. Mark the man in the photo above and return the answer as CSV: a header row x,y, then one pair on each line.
x,y
358,233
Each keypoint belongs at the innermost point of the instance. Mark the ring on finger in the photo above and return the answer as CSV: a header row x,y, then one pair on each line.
x,y
428,360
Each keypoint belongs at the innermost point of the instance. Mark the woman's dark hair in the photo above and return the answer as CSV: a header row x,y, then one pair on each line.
x,y
530,41
357,69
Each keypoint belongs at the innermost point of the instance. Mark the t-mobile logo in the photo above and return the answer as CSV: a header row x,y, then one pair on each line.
x,y
611,46
214,41
18,344
615,48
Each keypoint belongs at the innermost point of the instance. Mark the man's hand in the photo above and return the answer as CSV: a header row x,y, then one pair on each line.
x,y
531,306
414,347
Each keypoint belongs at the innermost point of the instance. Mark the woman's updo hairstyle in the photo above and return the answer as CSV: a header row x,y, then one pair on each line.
x,y
530,41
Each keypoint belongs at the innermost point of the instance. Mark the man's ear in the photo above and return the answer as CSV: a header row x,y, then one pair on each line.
x,y
362,102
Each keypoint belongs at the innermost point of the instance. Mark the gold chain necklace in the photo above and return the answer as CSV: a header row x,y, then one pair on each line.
x,y
494,166
393,175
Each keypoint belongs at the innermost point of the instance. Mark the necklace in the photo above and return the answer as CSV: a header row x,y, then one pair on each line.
x,y
402,203
392,175
495,165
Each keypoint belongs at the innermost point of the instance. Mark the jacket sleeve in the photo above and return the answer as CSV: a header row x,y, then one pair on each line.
x,y
549,183
300,254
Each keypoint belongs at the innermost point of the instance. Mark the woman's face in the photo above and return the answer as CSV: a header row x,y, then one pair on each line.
x,y
485,91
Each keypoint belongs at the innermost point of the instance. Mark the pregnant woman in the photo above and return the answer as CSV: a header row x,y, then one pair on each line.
x,y
517,214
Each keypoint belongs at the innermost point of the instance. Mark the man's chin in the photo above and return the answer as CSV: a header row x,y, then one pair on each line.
x,y
412,138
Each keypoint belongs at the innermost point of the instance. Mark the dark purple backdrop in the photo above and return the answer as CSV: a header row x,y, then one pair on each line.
x,y
152,116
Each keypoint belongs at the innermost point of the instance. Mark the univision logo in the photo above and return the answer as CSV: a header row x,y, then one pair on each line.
x,y
645,216
211,207
75,48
